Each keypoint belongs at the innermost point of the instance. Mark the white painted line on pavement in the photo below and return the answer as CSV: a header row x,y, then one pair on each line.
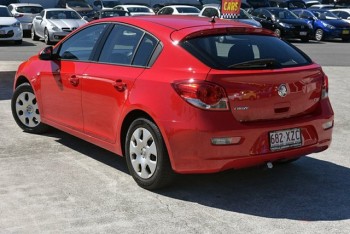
x,y
9,65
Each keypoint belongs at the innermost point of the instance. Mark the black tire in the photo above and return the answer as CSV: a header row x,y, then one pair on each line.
x,y
25,110
141,154
33,34
278,32
346,39
305,39
47,37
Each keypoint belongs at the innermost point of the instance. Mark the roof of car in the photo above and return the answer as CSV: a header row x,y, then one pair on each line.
x,y
25,4
58,9
182,26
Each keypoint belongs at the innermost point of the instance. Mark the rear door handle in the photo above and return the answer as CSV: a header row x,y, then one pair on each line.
x,y
119,85
74,80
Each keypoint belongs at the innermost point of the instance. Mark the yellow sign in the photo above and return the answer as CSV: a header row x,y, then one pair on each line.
x,y
230,8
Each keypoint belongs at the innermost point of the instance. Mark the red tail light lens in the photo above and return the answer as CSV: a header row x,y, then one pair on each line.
x,y
325,87
202,94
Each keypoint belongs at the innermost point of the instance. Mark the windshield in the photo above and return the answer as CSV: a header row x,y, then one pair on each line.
x,y
243,15
187,10
324,15
62,15
283,14
138,9
106,14
77,4
29,9
110,4
227,52
4,12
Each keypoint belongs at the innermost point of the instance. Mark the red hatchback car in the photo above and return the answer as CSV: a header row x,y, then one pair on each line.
x,y
169,94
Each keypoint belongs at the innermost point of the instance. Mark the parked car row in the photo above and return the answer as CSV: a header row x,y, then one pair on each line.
x,y
301,22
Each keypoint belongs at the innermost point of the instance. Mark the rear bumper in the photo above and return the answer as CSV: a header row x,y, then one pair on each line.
x,y
191,150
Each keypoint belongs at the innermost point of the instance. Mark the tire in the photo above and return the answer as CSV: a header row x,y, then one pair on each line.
x,y
33,35
25,110
278,32
146,155
305,39
346,39
47,37
18,42
319,35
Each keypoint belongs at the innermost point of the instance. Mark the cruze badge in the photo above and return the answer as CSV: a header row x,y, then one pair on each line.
x,y
282,90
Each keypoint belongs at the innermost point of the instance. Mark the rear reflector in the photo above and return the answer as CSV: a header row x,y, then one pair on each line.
x,y
226,140
327,125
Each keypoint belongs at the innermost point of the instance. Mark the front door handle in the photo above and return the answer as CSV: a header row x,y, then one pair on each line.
x,y
74,80
119,85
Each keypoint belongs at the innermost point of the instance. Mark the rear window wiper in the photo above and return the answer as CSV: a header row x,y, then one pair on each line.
x,y
257,64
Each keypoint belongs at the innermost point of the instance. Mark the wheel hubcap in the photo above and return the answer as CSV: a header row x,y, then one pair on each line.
x,y
143,153
27,109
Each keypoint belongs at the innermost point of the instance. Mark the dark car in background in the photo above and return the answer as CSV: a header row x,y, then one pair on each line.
x,y
326,25
288,4
106,13
284,23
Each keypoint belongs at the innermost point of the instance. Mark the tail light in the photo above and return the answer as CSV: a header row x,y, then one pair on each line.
x,y
325,87
202,94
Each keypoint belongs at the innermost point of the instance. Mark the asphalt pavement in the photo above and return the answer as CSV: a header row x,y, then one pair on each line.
x,y
56,183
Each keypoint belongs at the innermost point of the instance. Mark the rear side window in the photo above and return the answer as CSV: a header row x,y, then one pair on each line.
x,y
245,52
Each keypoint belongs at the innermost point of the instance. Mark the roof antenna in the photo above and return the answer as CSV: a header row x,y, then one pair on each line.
x,y
212,19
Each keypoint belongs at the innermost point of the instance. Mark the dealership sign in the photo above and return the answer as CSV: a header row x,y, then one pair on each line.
x,y
230,8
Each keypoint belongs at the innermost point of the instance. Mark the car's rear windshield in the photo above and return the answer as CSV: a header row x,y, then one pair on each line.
x,y
187,10
245,52
29,9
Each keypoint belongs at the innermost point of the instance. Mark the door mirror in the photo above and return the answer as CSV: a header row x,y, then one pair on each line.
x,y
46,53
38,17
85,18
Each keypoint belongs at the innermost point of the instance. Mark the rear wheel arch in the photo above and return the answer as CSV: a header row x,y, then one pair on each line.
x,y
129,118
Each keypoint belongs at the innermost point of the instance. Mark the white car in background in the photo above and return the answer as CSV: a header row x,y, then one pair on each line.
x,y
55,23
25,13
135,9
179,10
343,13
10,27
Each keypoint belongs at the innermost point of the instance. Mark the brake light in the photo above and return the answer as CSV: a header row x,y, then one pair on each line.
x,y
202,94
325,87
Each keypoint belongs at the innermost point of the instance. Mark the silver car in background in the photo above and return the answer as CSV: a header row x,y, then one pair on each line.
x,y
10,27
25,13
55,23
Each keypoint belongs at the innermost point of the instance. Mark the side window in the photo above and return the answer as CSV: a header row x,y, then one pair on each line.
x,y
121,45
145,51
42,13
80,46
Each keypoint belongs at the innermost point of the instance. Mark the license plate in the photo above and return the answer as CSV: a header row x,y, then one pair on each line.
x,y
2,32
303,33
346,32
284,139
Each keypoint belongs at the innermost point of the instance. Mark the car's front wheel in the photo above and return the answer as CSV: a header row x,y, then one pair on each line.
x,y
47,37
319,35
278,32
25,110
146,155
33,35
